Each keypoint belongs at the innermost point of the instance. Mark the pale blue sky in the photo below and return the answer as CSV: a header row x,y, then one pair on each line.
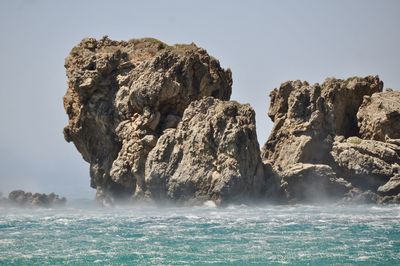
x,y
264,43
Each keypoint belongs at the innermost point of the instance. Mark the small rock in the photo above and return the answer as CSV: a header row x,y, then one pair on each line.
x,y
392,187
27,199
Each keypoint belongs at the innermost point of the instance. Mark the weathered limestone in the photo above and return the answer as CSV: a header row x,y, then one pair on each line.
x,y
124,100
307,118
368,164
379,116
212,154
348,126
155,122
392,187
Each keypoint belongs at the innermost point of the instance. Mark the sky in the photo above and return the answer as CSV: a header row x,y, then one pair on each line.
x,y
264,43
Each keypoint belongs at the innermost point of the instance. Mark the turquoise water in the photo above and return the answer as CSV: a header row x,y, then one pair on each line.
x,y
236,235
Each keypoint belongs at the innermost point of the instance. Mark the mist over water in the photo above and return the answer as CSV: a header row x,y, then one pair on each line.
x,y
148,235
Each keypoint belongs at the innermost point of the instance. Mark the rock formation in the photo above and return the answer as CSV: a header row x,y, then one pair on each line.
x,y
335,137
308,117
21,198
368,164
155,122
392,187
379,116
212,154
125,99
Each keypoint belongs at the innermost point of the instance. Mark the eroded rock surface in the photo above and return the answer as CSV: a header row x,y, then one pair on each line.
x,y
392,187
123,97
212,154
155,121
307,118
341,130
379,116
368,164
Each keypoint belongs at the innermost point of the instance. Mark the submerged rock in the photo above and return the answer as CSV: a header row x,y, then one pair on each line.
x,y
28,199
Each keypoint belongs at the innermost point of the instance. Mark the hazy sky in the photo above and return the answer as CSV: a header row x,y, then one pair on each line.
x,y
264,43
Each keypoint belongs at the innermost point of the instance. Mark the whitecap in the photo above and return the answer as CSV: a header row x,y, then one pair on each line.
x,y
210,204
363,258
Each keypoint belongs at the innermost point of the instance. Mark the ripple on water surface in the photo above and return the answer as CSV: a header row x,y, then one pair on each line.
x,y
202,235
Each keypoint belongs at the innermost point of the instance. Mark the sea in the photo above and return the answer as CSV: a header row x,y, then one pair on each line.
x,y
201,235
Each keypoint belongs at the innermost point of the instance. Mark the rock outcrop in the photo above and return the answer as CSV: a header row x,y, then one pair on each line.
x,y
308,117
21,198
125,102
212,154
367,164
336,137
392,187
155,122
313,183
379,116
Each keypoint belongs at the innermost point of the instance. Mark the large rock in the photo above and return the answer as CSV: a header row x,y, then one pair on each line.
x,y
314,141
212,154
307,118
122,96
367,164
379,116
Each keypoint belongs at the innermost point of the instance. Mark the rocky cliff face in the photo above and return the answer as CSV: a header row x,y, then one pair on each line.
x,y
155,122
336,138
